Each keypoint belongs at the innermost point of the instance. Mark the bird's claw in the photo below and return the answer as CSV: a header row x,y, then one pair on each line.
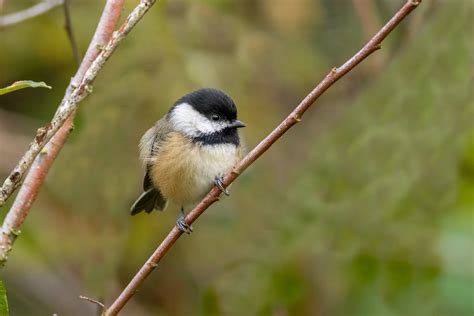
x,y
220,184
183,226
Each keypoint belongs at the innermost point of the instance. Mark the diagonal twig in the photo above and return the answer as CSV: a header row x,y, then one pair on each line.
x,y
80,90
37,9
36,175
294,117
100,305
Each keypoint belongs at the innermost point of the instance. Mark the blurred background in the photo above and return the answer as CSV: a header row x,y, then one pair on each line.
x,y
365,208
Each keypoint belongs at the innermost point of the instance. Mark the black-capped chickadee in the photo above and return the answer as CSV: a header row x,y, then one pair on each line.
x,y
188,151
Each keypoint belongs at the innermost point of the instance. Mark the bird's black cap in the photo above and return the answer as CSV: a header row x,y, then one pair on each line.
x,y
209,101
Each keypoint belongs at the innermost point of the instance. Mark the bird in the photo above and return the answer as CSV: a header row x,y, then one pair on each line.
x,y
188,151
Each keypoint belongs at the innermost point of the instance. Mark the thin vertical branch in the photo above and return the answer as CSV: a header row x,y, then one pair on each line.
x,y
70,32
294,117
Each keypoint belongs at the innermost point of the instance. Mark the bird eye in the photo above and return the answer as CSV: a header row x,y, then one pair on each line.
x,y
215,117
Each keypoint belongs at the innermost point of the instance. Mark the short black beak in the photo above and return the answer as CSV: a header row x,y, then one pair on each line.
x,y
236,124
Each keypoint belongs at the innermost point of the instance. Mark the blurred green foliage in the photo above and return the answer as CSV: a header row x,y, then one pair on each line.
x,y
3,300
365,208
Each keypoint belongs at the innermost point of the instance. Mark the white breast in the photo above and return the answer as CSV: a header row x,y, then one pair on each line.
x,y
212,161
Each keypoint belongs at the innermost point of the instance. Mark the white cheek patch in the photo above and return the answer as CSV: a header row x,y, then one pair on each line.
x,y
190,122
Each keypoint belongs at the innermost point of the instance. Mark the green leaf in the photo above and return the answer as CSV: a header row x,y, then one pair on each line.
x,y
22,85
3,300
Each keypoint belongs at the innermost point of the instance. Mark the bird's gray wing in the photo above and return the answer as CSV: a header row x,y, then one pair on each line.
x,y
150,145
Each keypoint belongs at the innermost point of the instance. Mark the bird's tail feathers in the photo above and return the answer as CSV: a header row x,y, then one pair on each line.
x,y
148,201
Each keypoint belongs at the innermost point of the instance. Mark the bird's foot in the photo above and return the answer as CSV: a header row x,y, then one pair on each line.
x,y
182,225
219,182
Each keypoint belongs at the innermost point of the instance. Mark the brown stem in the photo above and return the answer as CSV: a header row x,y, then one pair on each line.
x,y
70,32
294,117
43,162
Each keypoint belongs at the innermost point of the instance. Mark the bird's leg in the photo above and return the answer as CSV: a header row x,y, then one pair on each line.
x,y
181,223
218,181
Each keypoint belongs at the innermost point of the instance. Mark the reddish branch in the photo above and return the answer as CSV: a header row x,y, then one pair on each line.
x,y
334,75
78,92
43,162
